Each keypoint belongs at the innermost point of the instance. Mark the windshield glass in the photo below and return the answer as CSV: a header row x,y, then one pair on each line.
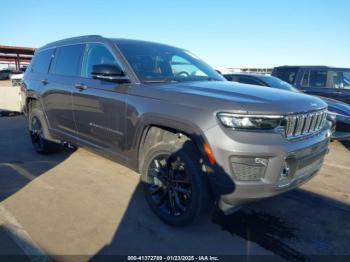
x,y
341,79
278,83
161,63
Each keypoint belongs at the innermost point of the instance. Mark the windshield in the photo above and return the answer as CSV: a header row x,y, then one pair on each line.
x,y
161,63
341,79
278,83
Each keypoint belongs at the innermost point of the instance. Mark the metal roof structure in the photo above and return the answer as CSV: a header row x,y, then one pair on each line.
x,y
16,55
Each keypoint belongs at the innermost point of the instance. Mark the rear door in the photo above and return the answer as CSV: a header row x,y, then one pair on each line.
x,y
58,102
99,105
37,76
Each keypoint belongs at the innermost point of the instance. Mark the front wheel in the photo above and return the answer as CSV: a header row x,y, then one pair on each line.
x,y
174,184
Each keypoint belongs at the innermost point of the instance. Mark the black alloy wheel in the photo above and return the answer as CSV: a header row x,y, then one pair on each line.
x,y
169,185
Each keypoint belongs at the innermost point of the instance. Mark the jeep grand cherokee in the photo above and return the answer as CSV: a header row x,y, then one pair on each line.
x,y
196,138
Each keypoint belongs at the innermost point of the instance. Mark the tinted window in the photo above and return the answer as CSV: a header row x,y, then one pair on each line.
x,y
182,67
96,54
318,78
287,74
41,61
278,83
340,79
68,60
233,78
346,80
305,79
250,81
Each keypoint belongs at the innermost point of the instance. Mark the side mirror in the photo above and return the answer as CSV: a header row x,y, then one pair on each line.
x,y
109,72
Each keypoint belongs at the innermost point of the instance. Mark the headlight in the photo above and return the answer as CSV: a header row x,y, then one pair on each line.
x,y
249,121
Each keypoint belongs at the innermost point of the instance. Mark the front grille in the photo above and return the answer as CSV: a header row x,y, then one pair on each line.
x,y
305,124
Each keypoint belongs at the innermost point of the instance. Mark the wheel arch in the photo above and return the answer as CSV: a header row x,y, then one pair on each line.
x,y
172,125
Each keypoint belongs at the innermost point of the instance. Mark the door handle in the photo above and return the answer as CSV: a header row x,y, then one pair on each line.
x,y
44,82
81,87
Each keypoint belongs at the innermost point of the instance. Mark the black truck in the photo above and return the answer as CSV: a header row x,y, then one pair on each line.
x,y
317,80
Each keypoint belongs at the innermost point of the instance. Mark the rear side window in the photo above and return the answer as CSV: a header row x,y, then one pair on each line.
x,y
41,61
68,60
318,78
287,74
250,81
305,79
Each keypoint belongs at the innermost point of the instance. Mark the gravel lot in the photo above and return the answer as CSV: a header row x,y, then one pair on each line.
x,y
78,203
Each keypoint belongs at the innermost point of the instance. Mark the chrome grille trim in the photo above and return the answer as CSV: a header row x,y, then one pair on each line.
x,y
298,125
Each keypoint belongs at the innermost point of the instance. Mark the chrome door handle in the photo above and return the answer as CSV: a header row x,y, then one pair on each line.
x,y
81,87
44,82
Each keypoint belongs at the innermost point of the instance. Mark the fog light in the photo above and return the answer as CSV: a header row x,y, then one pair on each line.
x,y
249,169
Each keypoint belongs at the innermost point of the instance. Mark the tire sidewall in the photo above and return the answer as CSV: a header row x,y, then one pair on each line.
x,y
191,159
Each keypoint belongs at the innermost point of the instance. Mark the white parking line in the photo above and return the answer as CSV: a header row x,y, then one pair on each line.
x,y
19,170
23,172
21,237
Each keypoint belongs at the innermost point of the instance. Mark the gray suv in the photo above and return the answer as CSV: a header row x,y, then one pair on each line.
x,y
195,138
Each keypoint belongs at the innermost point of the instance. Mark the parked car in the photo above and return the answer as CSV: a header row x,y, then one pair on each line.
x,y
5,74
16,78
196,138
317,80
339,112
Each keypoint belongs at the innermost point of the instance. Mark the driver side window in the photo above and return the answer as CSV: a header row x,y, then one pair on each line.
x,y
96,54
183,68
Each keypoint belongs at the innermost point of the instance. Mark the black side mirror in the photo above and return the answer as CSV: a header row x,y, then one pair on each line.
x,y
109,72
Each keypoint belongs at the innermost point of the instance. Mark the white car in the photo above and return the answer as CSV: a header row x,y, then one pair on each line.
x,y
16,78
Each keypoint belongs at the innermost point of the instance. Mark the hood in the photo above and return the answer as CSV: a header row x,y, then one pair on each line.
x,y
337,106
233,96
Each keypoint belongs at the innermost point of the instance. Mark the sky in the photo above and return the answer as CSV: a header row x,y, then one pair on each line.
x,y
230,33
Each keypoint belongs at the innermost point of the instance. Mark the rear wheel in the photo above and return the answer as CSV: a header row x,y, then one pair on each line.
x,y
39,133
174,184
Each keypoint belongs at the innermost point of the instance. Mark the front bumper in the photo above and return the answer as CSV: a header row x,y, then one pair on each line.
x,y
303,157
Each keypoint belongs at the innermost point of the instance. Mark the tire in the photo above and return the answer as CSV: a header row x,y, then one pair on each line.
x,y
178,161
39,133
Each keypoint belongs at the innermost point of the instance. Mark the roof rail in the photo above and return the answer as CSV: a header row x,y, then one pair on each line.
x,y
68,39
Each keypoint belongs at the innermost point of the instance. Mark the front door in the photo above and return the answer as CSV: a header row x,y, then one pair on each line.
x,y
99,105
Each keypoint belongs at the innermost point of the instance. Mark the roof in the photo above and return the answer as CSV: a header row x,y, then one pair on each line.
x,y
87,38
311,66
246,74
